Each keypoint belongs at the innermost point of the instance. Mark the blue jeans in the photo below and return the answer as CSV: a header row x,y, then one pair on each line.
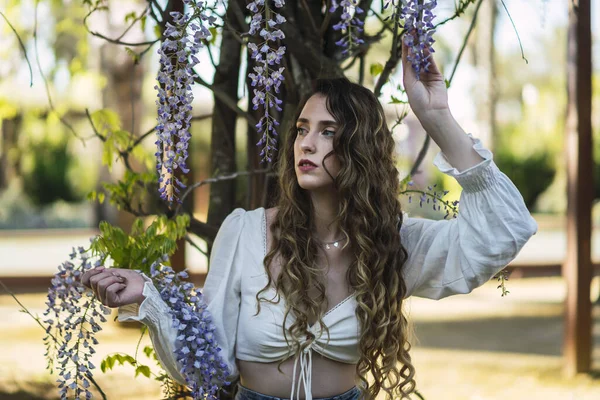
x,y
247,394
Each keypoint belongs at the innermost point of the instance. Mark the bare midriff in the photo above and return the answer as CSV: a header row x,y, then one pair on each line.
x,y
329,377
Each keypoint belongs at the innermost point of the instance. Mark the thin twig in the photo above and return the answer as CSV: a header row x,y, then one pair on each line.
x,y
325,24
466,40
110,40
22,48
313,24
386,26
393,60
191,242
46,84
219,178
133,23
58,342
228,101
124,154
140,139
457,13
137,347
516,31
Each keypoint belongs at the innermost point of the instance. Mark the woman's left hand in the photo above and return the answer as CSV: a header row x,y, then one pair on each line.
x,y
428,97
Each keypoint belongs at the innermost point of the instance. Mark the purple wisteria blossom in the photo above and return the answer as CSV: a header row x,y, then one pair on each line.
x,y
349,24
418,25
267,76
183,41
72,319
196,348
436,198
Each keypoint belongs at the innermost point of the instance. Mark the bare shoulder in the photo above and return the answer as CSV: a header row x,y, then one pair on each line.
x,y
270,214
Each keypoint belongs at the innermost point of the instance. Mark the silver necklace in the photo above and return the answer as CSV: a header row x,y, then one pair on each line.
x,y
327,245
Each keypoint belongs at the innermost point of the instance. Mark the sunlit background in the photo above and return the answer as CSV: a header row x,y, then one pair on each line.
x,y
476,347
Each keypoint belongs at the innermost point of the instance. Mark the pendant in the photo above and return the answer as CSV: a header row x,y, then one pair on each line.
x,y
336,244
327,246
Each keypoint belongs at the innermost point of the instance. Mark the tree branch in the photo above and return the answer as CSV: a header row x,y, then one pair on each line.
x,y
394,58
22,48
229,102
220,178
202,229
110,40
310,57
466,40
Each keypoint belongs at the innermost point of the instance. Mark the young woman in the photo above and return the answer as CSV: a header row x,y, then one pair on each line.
x,y
334,260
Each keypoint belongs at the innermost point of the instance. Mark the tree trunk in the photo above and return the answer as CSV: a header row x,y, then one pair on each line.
x,y
9,165
486,72
224,121
577,268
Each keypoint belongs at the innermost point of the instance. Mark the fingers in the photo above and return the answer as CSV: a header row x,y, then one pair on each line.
x,y
85,278
111,294
105,283
404,55
433,68
100,280
408,72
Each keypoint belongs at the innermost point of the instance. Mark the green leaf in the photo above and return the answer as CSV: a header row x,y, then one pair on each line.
x,y
396,100
405,181
447,83
131,16
144,156
108,152
101,197
144,370
143,23
135,56
108,363
213,33
376,69
122,137
157,31
106,121
148,350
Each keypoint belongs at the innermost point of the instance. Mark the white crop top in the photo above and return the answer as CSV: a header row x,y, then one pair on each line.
x,y
445,257
260,337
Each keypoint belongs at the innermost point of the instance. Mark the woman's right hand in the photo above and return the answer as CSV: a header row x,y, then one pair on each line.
x,y
115,287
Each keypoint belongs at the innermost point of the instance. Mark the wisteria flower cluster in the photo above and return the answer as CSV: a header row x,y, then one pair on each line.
x,y
73,317
267,76
183,41
349,24
419,29
196,348
434,198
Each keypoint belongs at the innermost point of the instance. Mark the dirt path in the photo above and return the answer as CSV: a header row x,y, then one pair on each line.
x,y
474,347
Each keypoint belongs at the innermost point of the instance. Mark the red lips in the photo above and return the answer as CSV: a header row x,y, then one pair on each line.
x,y
306,162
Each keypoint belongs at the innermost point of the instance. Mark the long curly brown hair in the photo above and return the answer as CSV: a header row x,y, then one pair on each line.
x,y
370,217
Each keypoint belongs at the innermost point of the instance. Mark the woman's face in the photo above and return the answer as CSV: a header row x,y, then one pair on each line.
x,y
315,129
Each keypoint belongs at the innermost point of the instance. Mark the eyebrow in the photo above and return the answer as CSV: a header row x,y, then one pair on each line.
x,y
322,123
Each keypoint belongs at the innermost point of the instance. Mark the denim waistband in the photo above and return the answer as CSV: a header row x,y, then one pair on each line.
x,y
246,394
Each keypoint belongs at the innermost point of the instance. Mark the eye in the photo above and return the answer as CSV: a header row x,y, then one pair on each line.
x,y
329,133
300,130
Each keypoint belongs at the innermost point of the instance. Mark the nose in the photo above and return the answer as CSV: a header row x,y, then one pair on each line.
x,y
308,144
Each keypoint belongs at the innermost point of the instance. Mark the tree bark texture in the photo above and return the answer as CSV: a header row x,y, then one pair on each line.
x,y
224,120
577,268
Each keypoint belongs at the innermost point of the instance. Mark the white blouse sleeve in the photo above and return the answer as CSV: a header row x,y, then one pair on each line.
x,y
222,288
455,256
222,293
154,313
